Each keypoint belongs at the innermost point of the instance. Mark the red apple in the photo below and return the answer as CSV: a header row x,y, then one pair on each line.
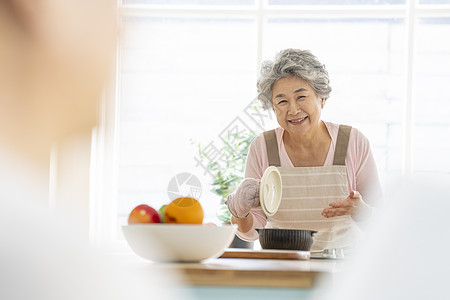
x,y
144,214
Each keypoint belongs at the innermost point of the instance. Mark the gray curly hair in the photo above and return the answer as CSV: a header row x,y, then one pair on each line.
x,y
292,62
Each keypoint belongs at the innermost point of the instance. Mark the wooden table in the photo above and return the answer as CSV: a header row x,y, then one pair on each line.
x,y
239,278
280,273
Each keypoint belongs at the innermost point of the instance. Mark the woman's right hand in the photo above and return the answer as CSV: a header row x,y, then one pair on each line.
x,y
246,197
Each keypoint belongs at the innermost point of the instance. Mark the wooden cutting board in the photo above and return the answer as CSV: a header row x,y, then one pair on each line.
x,y
266,254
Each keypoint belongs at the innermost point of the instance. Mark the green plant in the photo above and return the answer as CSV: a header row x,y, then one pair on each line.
x,y
228,169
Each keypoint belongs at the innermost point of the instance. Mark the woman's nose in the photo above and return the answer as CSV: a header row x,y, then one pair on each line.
x,y
294,108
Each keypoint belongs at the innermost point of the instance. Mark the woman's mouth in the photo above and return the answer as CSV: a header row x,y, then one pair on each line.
x,y
298,121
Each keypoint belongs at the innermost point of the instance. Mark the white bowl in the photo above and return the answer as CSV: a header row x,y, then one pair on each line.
x,y
178,242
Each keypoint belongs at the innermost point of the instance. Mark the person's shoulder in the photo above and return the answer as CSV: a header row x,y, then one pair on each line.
x,y
358,135
357,138
358,141
259,138
260,142
278,132
333,129
335,126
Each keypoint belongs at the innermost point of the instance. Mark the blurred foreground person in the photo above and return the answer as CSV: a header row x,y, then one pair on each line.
x,y
55,56
404,256
54,59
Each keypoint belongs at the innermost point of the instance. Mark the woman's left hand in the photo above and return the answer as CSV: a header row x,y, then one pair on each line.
x,y
353,205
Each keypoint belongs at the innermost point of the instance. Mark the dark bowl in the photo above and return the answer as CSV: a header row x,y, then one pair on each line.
x,y
286,239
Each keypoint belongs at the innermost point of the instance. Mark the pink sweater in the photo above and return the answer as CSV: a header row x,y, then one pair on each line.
x,y
362,174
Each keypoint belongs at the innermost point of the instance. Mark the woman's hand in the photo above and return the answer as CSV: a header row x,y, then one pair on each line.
x,y
245,224
244,198
353,205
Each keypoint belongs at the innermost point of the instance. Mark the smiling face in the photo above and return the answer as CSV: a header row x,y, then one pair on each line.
x,y
296,105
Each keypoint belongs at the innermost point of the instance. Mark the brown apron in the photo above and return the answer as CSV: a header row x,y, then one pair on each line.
x,y
306,191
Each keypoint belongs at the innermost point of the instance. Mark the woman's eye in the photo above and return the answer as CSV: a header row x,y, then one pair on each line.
x,y
282,101
300,97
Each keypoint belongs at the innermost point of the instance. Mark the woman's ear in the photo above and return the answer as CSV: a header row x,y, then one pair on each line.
x,y
323,102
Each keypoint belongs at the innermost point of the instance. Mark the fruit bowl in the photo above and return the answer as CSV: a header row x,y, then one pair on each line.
x,y
178,242
286,239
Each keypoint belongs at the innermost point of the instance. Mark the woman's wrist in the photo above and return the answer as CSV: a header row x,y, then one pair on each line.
x,y
363,212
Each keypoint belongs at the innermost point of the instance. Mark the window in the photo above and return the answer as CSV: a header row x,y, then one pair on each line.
x,y
431,96
187,70
183,88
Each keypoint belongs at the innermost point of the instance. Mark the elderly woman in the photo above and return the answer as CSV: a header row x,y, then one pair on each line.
x,y
333,180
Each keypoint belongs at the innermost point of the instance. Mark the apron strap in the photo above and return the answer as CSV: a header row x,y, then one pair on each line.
x,y
341,145
339,155
272,148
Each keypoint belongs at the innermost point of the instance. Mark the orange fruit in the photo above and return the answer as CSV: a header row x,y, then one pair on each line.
x,y
184,210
